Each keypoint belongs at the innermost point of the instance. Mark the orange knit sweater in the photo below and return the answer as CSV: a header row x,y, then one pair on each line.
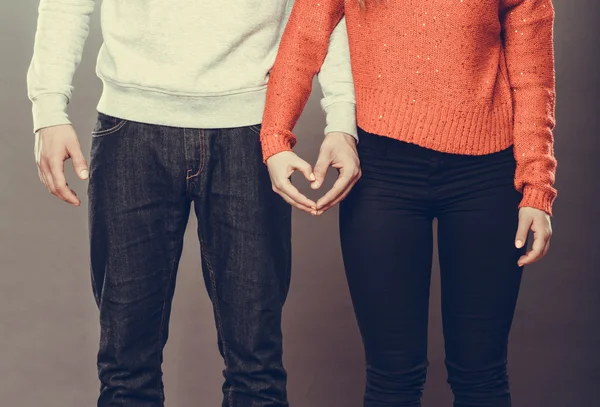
x,y
458,76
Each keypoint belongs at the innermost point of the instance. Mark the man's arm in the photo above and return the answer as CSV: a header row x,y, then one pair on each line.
x,y
335,78
339,104
62,28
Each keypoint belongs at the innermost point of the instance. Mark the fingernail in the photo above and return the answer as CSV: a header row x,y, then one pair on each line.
x,y
314,213
84,173
320,213
519,244
312,177
316,184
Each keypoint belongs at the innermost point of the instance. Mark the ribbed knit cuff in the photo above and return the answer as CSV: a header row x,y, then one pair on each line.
x,y
273,142
538,198
48,110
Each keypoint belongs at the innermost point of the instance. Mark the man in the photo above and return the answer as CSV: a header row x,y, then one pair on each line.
x,y
184,91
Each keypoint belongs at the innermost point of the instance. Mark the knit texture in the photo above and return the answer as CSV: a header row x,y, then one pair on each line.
x,y
189,63
461,76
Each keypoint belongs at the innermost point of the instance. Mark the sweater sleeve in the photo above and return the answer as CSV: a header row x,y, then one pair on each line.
x,y
528,38
335,78
302,50
62,28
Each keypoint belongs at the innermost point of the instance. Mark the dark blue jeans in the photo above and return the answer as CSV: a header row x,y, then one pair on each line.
x,y
387,236
143,181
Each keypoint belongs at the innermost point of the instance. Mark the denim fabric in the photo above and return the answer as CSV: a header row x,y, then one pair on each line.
x,y
387,236
143,182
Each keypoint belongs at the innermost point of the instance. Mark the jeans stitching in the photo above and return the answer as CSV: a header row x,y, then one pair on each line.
x,y
211,274
162,318
201,166
202,150
213,286
255,128
109,131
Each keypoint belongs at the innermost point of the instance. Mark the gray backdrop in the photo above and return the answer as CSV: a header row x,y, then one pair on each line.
x,y
48,319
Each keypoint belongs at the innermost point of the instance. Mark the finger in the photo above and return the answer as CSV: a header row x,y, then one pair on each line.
x,y
295,204
340,185
38,158
37,148
537,251
41,176
41,163
285,186
79,162
546,248
522,231
305,168
61,189
320,171
44,181
339,199
47,176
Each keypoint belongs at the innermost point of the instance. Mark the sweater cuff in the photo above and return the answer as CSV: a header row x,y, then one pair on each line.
x,y
341,117
538,198
274,142
49,109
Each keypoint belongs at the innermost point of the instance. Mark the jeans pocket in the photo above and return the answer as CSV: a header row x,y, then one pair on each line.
x,y
106,125
255,128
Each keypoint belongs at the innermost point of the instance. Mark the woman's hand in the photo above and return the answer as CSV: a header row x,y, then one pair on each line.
x,y
281,167
539,223
338,151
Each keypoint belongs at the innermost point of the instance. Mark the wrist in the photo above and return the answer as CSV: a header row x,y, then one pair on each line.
x,y
538,198
274,142
341,117
342,136
49,110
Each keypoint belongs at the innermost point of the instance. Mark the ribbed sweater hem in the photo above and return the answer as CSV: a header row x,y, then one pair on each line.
x,y
448,128
188,111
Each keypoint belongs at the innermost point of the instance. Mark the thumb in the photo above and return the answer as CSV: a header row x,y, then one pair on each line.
x,y
79,162
522,231
305,168
320,171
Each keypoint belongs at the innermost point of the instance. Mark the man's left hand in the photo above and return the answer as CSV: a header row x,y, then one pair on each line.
x,y
338,151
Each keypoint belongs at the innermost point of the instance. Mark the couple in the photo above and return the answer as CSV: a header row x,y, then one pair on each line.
x,y
454,102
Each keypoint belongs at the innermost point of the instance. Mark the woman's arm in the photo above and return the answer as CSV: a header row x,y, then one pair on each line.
x,y
301,53
528,31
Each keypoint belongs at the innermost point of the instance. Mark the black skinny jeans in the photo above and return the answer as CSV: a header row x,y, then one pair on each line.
x,y
387,242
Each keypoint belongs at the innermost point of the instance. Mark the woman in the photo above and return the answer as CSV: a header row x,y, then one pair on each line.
x,y
455,108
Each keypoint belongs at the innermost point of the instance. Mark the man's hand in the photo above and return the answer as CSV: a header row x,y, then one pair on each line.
x,y
281,167
54,145
338,151
539,223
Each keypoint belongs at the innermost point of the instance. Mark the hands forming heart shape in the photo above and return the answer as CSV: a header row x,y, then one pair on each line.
x,y
338,151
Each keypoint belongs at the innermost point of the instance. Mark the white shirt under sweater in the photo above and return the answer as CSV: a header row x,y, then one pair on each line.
x,y
181,63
